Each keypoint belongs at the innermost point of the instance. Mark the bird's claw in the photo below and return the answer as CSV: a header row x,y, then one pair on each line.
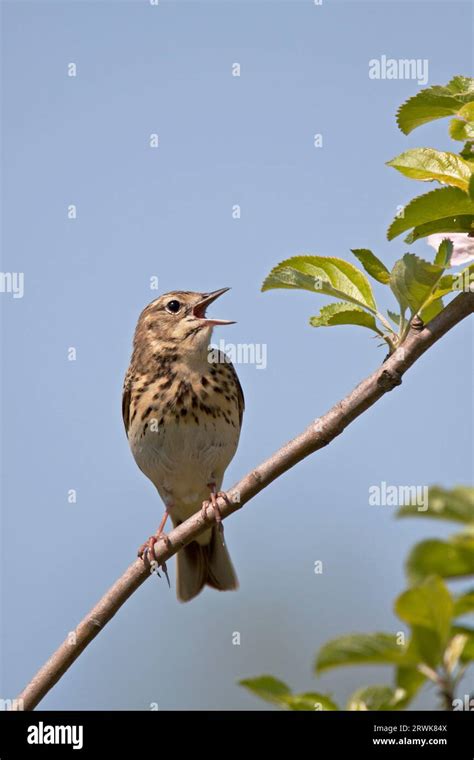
x,y
212,501
146,552
154,569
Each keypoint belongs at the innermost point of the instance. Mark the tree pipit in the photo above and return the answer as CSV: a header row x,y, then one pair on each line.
x,y
183,413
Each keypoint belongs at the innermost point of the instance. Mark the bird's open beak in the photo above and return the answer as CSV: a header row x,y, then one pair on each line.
x,y
199,310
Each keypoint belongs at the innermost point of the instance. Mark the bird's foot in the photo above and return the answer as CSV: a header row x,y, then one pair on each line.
x,y
147,549
146,552
212,501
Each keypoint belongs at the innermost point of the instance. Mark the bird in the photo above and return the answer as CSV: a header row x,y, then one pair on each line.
x,y
182,408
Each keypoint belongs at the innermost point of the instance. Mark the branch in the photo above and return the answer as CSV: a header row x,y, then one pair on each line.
x,y
319,434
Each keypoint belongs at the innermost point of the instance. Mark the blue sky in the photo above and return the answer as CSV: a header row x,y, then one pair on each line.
x,y
167,213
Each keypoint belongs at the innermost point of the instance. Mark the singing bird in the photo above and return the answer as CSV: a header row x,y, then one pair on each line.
x,y
182,409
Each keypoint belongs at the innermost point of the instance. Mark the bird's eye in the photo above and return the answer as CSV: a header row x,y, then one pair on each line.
x,y
173,306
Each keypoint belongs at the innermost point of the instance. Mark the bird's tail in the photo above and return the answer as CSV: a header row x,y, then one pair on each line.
x,y
198,566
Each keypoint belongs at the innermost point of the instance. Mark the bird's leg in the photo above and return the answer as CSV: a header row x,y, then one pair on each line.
x,y
214,494
147,549
159,532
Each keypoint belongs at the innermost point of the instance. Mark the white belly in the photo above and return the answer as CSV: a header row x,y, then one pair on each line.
x,y
182,459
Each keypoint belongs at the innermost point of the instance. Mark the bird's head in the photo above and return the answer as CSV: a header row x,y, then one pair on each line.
x,y
180,317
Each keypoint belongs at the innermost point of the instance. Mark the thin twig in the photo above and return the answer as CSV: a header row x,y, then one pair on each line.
x,y
319,433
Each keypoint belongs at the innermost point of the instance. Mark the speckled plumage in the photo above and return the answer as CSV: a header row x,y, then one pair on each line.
x,y
182,414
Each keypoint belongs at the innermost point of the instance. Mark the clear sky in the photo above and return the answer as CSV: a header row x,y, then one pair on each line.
x,y
167,213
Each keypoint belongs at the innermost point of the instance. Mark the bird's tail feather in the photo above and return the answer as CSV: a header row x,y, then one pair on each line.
x,y
198,566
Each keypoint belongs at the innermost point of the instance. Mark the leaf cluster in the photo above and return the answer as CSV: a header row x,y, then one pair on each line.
x,y
417,285
436,646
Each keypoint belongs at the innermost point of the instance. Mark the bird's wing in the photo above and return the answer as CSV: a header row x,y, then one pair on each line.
x,y
240,394
224,359
126,395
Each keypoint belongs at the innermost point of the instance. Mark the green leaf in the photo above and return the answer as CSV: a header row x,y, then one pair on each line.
x,y
438,204
448,284
268,688
453,558
462,127
468,150
467,654
394,317
360,649
464,604
431,310
467,112
427,646
435,103
413,281
456,504
372,264
311,700
276,692
444,253
341,313
468,651
461,130
462,87
428,606
461,223
429,164
471,188
409,678
377,698
323,274
445,286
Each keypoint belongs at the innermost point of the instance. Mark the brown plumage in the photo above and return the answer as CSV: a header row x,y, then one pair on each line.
x,y
183,414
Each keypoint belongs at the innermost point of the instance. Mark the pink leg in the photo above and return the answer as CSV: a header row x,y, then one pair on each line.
x,y
147,550
212,501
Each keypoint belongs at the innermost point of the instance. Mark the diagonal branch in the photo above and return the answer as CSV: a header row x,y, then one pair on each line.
x,y
319,433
